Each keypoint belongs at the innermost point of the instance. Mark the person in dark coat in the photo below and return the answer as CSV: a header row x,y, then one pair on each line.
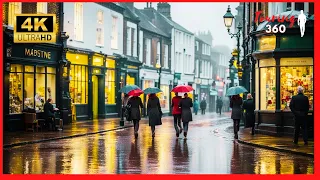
x,y
176,112
135,104
235,104
186,114
203,106
154,112
248,105
219,105
49,113
125,109
299,106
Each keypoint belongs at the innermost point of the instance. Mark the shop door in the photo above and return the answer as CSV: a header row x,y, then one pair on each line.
x,y
95,96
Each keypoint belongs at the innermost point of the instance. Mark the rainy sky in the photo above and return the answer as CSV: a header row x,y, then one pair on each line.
x,y
202,16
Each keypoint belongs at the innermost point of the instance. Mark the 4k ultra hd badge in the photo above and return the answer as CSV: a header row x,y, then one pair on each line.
x,y
35,28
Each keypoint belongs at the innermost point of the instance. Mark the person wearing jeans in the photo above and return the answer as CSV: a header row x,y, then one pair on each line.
x,y
186,114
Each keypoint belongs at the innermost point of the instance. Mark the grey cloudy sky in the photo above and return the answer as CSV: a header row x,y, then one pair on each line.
x,y
202,16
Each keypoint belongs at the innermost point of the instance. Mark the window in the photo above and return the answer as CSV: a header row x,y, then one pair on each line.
x,y
134,40
288,6
14,8
22,92
299,6
42,8
110,94
114,36
268,88
197,68
129,41
291,78
164,98
148,51
158,53
311,8
100,33
197,45
166,54
141,45
79,84
78,21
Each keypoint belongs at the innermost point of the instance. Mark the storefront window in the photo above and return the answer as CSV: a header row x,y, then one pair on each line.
x,y
268,88
147,84
15,89
130,80
97,61
79,84
291,78
110,94
51,87
22,91
40,88
164,97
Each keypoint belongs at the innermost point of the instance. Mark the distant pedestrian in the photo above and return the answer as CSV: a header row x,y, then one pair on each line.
x,y
135,104
196,106
186,115
299,106
203,106
219,105
176,112
235,104
154,112
248,106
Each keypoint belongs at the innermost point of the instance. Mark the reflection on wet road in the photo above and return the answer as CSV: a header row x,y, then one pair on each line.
x,y
208,149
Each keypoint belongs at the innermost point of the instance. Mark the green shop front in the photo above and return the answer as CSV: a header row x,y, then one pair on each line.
x,y
30,78
283,62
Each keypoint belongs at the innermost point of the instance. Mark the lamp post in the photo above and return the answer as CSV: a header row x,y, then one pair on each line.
x,y
228,19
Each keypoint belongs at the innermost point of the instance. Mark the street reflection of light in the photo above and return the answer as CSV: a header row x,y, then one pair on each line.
x,y
110,148
286,166
147,142
267,164
52,163
93,166
165,156
79,155
36,167
26,167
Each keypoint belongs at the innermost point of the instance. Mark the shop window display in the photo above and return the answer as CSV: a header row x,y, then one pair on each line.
x,y
15,89
291,78
110,87
268,88
29,97
40,88
79,84
164,97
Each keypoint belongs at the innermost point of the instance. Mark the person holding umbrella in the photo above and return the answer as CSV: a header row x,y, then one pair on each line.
x,y
186,115
154,112
236,105
135,104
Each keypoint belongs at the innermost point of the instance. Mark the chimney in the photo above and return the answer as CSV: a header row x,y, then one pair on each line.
x,y
165,9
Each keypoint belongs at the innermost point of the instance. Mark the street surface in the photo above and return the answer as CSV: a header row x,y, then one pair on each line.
x,y
209,148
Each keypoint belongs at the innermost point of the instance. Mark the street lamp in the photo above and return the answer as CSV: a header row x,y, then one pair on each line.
x,y
158,66
228,20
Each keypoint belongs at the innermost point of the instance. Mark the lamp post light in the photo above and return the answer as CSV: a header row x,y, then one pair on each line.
x,y
228,20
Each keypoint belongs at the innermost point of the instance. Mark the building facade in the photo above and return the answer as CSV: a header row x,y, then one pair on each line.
x,y
95,50
276,70
33,72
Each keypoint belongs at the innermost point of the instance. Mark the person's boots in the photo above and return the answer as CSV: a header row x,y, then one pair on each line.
x,y
185,134
136,135
236,136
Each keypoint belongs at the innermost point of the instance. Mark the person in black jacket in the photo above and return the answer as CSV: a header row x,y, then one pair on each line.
x,y
154,112
248,105
219,105
49,113
299,106
135,105
186,115
203,106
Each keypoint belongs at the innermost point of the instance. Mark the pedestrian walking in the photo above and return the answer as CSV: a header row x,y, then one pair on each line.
x,y
219,105
125,107
186,115
299,106
176,112
248,106
235,104
203,106
196,106
154,112
135,104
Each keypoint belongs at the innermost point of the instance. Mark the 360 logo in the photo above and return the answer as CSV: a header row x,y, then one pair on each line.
x,y
276,29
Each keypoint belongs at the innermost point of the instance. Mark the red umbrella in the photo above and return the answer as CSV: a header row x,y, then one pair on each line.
x,y
182,88
136,92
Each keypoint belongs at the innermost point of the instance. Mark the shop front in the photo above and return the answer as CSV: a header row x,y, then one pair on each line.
x,y
283,62
165,96
31,77
110,87
149,78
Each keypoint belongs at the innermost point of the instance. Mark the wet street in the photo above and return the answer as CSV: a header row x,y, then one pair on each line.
x,y
209,148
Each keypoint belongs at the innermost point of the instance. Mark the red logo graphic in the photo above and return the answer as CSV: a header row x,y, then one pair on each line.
x,y
260,18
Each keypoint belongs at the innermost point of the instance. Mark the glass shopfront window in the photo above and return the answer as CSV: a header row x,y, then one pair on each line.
x,y
268,88
291,78
164,97
79,84
147,84
131,80
22,91
110,94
